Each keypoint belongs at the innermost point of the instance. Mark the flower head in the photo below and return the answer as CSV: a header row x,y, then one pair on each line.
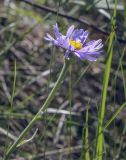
x,y
74,42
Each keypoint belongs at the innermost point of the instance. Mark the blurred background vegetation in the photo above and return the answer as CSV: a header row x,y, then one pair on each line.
x,y
29,67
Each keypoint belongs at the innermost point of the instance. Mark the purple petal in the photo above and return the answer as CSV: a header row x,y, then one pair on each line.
x,y
70,31
84,37
92,46
75,34
62,42
56,31
48,37
80,35
85,49
66,43
89,53
84,56
97,42
90,43
77,54
97,45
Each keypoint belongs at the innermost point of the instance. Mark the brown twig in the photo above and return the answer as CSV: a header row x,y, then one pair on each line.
x,y
80,20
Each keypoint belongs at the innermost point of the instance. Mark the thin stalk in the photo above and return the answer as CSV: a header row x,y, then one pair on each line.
x,y
87,154
43,108
14,83
100,138
99,142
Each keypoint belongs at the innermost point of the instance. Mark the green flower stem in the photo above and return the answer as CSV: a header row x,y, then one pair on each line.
x,y
43,108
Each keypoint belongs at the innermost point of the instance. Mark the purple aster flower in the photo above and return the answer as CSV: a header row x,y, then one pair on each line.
x,y
74,42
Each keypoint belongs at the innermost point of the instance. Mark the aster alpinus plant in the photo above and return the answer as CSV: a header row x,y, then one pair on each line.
x,y
74,42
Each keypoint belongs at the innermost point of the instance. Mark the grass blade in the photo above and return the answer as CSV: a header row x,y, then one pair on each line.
x,y
99,141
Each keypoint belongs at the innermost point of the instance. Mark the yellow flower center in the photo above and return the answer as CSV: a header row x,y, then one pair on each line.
x,y
76,44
